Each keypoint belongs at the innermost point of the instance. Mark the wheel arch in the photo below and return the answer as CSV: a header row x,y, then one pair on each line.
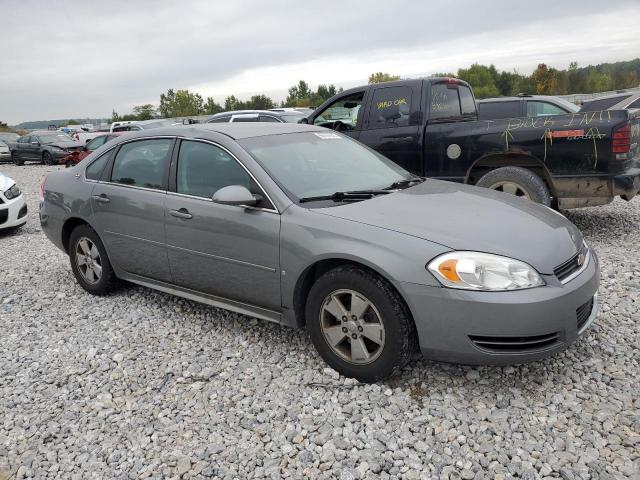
x,y
69,226
312,272
493,161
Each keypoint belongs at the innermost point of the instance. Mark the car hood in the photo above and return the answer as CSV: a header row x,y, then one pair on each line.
x,y
64,144
5,182
463,217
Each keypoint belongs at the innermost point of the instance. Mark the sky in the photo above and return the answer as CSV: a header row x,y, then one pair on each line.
x,y
76,59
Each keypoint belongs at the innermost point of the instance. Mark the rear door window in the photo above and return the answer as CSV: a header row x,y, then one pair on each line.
x,y
541,109
444,101
142,163
497,110
390,107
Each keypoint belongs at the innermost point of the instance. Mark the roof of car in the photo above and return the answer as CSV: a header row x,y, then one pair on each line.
x,y
249,112
517,98
236,131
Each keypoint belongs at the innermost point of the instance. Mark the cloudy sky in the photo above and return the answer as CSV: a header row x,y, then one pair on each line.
x,y
84,58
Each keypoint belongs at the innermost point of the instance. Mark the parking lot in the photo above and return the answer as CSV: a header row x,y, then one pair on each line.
x,y
141,384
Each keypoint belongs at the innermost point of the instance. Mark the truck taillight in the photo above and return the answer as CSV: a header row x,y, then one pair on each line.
x,y
41,194
621,139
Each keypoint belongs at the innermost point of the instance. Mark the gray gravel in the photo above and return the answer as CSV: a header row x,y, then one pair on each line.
x,y
145,385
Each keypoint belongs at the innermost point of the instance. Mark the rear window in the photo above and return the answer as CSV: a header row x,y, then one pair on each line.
x,y
602,104
498,110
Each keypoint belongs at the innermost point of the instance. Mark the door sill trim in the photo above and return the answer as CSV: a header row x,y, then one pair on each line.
x,y
213,300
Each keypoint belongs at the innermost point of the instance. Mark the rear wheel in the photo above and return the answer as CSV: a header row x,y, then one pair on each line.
x,y
517,181
359,324
15,158
89,261
47,159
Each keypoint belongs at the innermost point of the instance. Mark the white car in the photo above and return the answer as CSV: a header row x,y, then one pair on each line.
x,y
5,153
13,207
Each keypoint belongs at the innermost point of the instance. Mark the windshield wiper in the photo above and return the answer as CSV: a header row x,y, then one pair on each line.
x,y
405,183
352,196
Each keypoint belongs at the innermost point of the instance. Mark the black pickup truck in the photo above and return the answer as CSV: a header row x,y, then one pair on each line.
x,y
431,128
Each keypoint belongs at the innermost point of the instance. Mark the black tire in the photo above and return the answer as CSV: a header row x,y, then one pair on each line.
x,y
400,337
47,159
529,182
15,158
107,281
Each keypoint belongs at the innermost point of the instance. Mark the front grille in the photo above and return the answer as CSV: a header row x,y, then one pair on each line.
x,y
515,344
22,212
569,267
583,313
4,214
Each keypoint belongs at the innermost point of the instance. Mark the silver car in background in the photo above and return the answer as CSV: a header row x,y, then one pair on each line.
x,y
306,227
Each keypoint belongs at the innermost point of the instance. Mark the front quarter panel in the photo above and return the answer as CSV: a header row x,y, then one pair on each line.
x,y
308,237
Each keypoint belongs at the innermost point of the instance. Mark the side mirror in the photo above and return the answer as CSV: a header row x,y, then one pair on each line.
x,y
304,120
235,195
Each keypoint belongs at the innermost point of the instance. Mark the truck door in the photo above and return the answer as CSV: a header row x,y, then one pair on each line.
x,y
392,124
344,115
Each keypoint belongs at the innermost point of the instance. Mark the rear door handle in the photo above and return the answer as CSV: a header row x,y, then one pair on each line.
x,y
102,198
182,213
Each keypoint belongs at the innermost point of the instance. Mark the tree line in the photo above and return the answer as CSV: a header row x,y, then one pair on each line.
x,y
487,81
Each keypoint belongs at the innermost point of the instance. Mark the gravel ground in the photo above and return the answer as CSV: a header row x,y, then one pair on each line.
x,y
146,385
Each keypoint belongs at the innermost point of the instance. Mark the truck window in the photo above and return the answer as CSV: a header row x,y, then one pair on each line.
x,y
467,102
498,110
390,107
345,111
541,109
444,101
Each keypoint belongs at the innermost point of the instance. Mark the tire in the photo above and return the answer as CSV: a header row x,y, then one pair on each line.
x,y
84,236
387,308
47,159
526,183
15,158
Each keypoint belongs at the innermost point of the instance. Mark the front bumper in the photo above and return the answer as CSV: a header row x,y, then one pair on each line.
x,y
13,213
498,328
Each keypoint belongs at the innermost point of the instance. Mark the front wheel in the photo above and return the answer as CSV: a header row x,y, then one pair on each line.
x,y
359,324
89,261
15,158
517,181
47,159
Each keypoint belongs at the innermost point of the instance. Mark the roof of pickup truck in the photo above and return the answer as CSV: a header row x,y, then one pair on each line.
x,y
402,82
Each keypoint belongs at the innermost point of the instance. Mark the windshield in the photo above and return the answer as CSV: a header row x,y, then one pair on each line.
x,y
312,164
52,138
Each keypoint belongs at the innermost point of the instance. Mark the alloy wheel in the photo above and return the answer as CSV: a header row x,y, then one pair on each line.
x,y
88,260
512,188
352,326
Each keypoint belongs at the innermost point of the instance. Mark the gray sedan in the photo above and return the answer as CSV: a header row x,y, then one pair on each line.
x,y
308,228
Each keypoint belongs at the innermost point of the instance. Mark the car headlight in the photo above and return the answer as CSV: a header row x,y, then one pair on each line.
x,y
483,271
13,192
57,149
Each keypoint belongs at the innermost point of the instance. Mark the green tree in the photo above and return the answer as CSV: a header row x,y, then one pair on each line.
x,y
211,107
259,102
545,79
598,81
380,77
144,112
181,103
481,78
231,103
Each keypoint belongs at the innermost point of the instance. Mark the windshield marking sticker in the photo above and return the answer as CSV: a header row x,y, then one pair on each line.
x,y
326,136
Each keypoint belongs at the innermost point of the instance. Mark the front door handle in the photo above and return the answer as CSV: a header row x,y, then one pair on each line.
x,y
102,198
182,213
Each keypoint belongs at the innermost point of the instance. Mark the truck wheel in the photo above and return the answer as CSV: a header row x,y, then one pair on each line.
x,y
15,158
47,159
359,324
517,181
